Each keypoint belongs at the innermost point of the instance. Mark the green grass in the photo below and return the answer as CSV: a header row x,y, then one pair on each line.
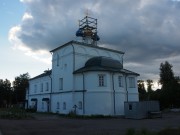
x,y
14,113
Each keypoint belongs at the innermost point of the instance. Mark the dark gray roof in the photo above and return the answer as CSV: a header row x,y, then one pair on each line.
x,y
46,73
104,64
84,44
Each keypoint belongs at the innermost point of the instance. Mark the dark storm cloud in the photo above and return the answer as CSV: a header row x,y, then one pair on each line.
x,y
147,30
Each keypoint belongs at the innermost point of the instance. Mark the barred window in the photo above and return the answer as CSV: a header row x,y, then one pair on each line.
x,y
102,80
120,81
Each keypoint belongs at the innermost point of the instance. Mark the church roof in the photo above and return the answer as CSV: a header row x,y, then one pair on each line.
x,y
84,44
104,64
46,73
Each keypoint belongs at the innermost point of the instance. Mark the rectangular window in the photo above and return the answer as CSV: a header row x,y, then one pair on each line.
x,y
64,105
58,105
102,80
60,83
120,81
131,82
41,87
35,88
130,106
47,86
57,60
80,105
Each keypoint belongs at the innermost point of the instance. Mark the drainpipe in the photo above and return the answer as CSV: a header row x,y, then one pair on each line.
x,y
50,101
83,94
114,97
73,88
122,60
27,94
73,57
50,94
126,88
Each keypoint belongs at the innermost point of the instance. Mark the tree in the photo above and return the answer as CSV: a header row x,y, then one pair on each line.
x,y
141,90
20,84
149,89
170,90
166,74
149,85
5,93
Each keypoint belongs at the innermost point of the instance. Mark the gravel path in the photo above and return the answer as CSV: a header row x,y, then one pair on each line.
x,y
55,125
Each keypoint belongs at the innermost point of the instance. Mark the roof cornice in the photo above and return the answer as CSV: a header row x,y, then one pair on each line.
x,y
87,45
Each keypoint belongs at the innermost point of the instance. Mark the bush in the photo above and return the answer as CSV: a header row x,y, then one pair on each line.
x,y
31,110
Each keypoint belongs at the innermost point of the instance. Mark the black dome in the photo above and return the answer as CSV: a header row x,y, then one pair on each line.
x,y
103,62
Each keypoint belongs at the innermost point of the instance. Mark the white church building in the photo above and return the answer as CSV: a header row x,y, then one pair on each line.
x,y
85,78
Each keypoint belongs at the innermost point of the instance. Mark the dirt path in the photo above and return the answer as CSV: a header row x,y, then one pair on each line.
x,y
54,125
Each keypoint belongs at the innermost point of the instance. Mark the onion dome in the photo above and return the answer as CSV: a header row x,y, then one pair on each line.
x,y
88,32
79,32
95,37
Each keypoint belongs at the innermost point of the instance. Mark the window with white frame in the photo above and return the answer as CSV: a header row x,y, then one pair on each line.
x,y
47,86
64,105
102,80
131,82
80,105
60,83
120,81
41,87
58,105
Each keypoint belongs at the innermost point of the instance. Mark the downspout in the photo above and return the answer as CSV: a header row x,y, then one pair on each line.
x,y
27,97
50,95
114,98
50,101
73,57
73,89
126,88
122,60
83,94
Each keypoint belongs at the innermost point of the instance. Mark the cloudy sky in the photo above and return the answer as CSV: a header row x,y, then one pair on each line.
x,y
148,31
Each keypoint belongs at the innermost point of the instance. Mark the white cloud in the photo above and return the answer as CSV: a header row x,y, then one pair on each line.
x,y
147,30
27,16
41,55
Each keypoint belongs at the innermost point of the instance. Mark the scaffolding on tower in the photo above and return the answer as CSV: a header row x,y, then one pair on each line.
x,y
88,30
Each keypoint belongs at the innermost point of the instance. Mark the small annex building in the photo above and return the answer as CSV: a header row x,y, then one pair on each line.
x,y
85,78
